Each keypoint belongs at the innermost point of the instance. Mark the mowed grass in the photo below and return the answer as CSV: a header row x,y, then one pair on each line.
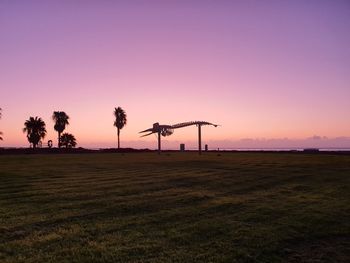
x,y
177,207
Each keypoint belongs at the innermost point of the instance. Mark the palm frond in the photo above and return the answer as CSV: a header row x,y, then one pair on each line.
x,y
61,120
120,118
35,129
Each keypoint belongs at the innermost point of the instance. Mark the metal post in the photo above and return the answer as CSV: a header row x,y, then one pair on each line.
x,y
159,145
199,139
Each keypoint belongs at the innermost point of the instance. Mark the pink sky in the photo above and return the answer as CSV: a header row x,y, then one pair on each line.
x,y
264,70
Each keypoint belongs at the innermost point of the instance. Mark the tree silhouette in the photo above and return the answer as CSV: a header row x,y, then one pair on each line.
x,y
68,140
35,129
120,121
0,131
61,120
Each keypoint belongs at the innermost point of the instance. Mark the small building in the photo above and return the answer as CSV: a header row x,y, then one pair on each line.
x,y
182,147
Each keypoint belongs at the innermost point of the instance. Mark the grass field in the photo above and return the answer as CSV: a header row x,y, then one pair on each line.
x,y
177,207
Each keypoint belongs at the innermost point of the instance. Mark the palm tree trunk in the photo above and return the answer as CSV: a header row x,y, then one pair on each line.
x,y
118,138
59,140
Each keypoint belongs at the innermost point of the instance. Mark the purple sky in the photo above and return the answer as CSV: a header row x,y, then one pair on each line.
x,y
264,70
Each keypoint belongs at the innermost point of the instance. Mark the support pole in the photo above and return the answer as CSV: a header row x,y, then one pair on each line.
x,y
159,144
199,139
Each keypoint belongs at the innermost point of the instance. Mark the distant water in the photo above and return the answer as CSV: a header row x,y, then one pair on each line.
x,y
271,149
286,149
252,149
230,149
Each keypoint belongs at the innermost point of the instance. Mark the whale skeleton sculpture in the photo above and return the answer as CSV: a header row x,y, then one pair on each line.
x,y
167,130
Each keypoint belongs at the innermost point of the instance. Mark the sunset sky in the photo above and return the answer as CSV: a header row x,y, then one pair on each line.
x,y
271,73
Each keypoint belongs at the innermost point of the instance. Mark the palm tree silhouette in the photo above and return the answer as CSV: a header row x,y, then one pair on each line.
x,y
35,129
120,121
61,120
68,140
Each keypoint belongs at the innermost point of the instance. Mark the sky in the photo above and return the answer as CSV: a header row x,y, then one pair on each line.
x,y
271,73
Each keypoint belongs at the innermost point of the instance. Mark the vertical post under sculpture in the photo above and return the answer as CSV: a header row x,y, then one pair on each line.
x,y
199,139
159,144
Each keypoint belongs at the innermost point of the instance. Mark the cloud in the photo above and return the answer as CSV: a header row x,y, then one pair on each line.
x,y
315,137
